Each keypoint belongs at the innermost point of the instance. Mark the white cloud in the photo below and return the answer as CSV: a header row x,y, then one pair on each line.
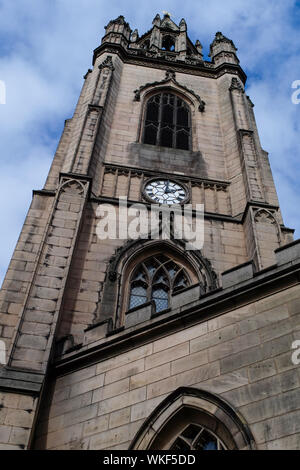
x,y
46,47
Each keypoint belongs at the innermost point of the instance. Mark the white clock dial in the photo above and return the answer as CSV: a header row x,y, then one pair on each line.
x,y
165,192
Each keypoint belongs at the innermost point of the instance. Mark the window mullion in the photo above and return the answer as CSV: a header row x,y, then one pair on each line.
x,y
158,136
174,121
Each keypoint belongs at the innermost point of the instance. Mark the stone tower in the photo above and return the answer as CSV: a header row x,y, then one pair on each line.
x,y
139,343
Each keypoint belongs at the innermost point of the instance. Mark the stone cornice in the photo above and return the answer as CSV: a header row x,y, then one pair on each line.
x,y
209,306
23,381
205,69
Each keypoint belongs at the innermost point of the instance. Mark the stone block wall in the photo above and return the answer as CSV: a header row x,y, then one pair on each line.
x,y
243,355
16,420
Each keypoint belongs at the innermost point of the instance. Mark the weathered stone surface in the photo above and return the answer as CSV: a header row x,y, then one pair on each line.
x,y
234,342
237,275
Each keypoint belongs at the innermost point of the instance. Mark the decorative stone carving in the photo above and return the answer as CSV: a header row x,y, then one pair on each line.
x,y
264,216
107,63
120,20
170,78
208,277
72,187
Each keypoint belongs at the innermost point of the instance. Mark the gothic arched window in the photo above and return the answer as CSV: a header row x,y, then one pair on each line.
x,y
156,279
167,121
168,44
193,419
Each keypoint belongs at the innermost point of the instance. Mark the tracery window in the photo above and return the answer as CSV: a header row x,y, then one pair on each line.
x,y
156,279
167,121
196,437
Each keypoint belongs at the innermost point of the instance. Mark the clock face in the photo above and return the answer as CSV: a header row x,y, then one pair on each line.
x,y
165,192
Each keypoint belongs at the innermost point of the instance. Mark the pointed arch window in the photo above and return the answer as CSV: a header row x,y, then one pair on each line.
x,y
156,279
193,419
168,43
167,122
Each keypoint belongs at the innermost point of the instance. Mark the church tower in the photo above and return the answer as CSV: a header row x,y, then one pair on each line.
x,y
138,342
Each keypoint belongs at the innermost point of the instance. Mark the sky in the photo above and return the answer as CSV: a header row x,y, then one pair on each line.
x,y
46,48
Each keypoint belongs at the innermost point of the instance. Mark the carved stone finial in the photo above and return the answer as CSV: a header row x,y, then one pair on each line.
x,y
202,106
182,25
137,95
119,20
199,47
220,38
156,20
134,36
170,75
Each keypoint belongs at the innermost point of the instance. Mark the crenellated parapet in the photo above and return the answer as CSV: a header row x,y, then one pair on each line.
x,y
166,41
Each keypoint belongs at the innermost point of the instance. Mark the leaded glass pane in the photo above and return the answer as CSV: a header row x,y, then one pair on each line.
x,y
161,298
136,300
152,112
138,290
150,135
170,117
166,137
138,296
206,441
196,437
153,280
182,140
167,115
182,116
